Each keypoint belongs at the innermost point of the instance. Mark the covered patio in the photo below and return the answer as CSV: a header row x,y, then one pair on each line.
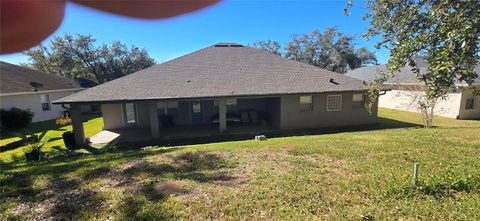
x,y
181,132
220,116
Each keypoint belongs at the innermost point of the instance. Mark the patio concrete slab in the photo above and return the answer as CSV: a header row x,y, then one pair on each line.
x,y
104,137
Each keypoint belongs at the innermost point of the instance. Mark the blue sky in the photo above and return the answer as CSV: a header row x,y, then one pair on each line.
x,y
231,21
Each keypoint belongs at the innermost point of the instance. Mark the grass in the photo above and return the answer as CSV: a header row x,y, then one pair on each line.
x,y
343,176
53,139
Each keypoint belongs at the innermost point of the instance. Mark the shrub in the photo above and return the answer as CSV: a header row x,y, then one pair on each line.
x,y
16,118
34,144
63,121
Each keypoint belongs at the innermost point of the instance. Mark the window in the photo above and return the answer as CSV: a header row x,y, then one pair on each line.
x,y
306,103
334,102
358,101
45,100
197,107
129,114
470,102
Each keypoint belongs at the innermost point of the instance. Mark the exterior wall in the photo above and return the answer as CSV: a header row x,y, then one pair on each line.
x,y
469,114
112,116
406,100
292,117
32,102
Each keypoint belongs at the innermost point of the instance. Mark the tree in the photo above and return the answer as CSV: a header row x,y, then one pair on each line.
x,y
330,50
273,47
78,57
445,32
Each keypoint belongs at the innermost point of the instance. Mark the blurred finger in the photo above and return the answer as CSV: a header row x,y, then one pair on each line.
x,y
25,24
147,9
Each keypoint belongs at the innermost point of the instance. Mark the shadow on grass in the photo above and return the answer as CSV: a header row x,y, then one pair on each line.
x,y
388,123
42,126
66,180
146,204
54,139
37,127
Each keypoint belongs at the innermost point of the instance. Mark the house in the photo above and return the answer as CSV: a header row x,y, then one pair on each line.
x,y
224,88
406,89
26,88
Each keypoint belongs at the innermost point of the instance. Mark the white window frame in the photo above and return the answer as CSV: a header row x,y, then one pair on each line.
x,y
340,102
47,99
124,114
302,106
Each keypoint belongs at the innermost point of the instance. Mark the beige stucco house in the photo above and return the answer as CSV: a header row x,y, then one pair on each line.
x,y
460,102
225,88
26,88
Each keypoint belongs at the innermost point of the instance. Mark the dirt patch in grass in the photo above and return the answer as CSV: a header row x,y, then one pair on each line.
x,y
169,188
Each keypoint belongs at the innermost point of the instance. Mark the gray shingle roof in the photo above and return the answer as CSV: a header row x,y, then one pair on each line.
x,y
17,79
229,70
405,76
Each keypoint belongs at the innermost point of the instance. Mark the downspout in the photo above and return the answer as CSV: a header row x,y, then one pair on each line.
x,y
383,92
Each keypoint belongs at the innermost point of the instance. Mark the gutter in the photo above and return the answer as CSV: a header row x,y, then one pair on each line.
x,y
206,97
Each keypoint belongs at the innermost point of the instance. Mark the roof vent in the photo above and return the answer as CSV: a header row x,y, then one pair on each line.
x,y
226,45
333,81
36,84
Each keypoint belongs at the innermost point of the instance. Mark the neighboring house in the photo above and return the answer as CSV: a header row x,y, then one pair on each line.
x,y
26,88
406,89
226,83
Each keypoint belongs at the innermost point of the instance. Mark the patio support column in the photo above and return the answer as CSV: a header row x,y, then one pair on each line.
x,y
77,124
222,114
154,126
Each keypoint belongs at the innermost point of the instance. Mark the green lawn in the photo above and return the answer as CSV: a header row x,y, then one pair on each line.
x,y
342,176
53,139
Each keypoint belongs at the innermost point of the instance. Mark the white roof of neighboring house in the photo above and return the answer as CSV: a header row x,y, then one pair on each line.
x,y
405,76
